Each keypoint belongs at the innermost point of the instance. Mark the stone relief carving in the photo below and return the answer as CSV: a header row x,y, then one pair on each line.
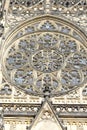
x,y
46,60
64,63
19,11
45,117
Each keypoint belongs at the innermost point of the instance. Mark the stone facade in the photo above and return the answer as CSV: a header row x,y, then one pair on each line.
x,y
43,64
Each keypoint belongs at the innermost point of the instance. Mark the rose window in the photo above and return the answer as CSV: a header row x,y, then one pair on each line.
x,y
45,59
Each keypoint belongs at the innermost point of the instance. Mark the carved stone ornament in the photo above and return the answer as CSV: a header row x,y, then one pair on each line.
x,y
45,57
45,117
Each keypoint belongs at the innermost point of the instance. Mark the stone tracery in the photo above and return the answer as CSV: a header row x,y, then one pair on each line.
x,y
65,3
47,57
63,8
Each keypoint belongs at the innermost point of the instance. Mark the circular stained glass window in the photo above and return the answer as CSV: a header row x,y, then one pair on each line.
x,y
45,61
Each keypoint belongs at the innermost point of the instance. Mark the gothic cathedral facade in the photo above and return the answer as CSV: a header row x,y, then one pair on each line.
x,y
43,64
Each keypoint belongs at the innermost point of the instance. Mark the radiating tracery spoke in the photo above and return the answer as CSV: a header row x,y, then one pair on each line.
x,y
47,81
78,61
47,40
47,61
28,46
16,60
67,47
71,78
24,77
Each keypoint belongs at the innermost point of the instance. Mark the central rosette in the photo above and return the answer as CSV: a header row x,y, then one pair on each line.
x,y
47,61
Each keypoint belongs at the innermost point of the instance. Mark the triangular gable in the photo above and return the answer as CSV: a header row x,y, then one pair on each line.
x,y
46,119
